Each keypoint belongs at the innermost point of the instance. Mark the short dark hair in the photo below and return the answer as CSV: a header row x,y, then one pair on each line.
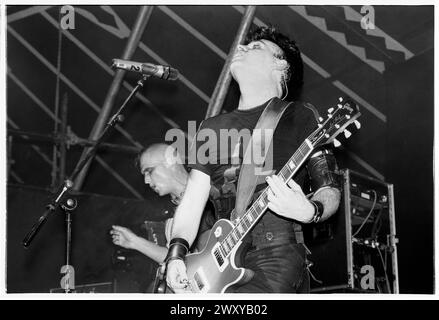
x,y
294,76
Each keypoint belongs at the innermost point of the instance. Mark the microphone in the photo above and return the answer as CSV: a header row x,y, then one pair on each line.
x,y
149,69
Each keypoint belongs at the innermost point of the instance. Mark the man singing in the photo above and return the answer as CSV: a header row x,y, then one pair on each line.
x,y
266,69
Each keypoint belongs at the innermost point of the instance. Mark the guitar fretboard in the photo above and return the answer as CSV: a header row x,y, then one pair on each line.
x,y
252,215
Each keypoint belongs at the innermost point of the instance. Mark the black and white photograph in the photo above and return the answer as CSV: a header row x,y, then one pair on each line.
x,y
148,152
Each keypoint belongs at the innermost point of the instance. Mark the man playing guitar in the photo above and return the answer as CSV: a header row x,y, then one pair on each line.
x,y
264,69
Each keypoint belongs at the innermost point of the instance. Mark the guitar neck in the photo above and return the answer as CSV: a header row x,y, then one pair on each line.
x,y
255,212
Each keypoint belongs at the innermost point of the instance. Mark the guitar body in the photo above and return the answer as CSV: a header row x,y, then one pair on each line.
x,y
209,271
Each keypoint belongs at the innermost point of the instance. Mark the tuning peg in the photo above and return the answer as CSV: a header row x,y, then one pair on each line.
x,y
330,110
320,119
340,99
347,133
339,105
337,143
357,124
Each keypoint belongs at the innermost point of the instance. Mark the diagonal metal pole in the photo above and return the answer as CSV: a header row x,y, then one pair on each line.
x,y
63,144
56,149
101,121
222,86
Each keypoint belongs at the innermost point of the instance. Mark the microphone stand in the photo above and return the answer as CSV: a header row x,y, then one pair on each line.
x,y
68,281
64,190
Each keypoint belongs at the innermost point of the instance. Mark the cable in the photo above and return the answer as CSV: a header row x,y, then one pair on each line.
x,y
286,88
377,224
377,285
368,215
385,271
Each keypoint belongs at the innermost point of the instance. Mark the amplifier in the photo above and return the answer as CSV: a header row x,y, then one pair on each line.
x,y
355,250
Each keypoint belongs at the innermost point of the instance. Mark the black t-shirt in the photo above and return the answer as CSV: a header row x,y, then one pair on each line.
x,y
296,124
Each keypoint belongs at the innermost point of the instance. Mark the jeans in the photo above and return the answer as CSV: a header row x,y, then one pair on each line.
x,y
279,266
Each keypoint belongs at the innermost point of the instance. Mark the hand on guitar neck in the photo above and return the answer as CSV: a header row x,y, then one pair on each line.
x,y
288,200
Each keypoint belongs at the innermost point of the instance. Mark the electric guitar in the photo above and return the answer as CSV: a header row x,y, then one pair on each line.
x,y
214,269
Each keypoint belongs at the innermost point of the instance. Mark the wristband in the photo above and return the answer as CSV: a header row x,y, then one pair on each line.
x,y
178,248
318,211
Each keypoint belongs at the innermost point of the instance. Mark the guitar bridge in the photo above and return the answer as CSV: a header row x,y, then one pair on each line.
x,y
199,282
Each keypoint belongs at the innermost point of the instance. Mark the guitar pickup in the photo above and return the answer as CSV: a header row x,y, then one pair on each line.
x,y
218,257
221,261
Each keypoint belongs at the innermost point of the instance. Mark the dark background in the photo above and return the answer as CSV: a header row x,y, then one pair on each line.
x,y
389,74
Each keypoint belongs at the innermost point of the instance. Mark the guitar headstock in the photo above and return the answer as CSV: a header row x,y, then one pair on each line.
x,y
345,113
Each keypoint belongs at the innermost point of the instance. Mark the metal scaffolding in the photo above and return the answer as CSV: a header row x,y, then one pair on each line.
x,y
64,138
222,86
132,44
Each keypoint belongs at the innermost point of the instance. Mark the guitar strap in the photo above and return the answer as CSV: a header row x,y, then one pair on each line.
x,y
252,173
